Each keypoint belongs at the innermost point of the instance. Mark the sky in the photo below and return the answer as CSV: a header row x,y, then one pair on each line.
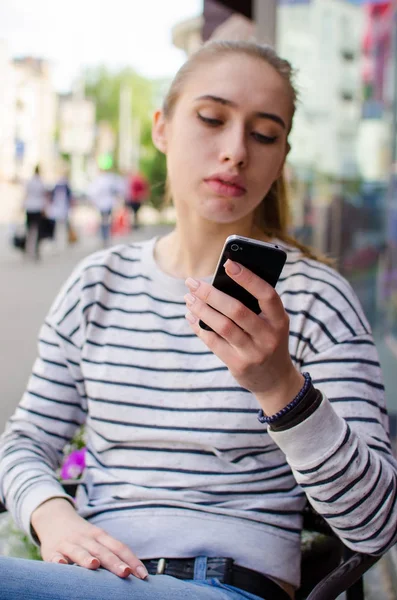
x,y
78,33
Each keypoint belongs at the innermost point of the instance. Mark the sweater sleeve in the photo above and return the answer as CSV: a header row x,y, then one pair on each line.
x,y
341,455
50,411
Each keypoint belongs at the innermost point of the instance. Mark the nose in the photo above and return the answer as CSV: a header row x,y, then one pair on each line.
x,y
234,150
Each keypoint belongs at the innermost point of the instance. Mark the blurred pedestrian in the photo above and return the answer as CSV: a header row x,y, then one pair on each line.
x,y
137,191
103,193
34,205
59,208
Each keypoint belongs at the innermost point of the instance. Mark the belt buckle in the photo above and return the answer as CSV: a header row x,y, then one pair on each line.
x,y
221,568
228,570
161,566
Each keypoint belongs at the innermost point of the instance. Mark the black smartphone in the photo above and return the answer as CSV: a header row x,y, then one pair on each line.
x,y
264,259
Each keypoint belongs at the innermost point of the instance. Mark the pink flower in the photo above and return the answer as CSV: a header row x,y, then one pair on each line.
x,y
74,464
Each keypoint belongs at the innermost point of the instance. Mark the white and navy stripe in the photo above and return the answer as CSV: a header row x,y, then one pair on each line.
x,y
168,427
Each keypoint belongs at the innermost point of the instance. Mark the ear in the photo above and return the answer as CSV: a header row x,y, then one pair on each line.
x,y
159,133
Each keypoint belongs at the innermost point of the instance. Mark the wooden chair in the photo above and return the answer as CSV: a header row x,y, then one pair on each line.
x,y
329,568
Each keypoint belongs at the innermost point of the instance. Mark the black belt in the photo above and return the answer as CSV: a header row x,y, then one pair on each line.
x,y
223,569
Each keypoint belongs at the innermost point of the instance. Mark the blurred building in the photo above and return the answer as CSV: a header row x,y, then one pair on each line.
x,y
187,35
28,105
377,68
309,34
35,115
7,114
322,40
76,132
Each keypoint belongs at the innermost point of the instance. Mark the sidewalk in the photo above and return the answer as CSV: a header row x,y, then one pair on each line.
x,y
84,219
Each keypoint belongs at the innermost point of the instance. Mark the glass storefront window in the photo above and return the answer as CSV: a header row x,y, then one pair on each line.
x,y
340,163
341,172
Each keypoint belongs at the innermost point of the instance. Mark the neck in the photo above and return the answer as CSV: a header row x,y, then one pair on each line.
x,y
193,251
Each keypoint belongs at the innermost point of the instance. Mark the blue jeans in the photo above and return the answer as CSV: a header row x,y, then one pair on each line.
x,y
22,579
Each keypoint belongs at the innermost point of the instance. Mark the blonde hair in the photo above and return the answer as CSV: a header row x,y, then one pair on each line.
x,y
272,215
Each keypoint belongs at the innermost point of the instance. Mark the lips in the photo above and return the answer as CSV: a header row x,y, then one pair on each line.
x,y
226,185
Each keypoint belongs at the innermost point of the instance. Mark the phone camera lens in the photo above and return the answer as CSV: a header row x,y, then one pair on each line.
x,y
234,247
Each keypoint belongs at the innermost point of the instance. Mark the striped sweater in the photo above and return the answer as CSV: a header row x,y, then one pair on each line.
x,y
177,462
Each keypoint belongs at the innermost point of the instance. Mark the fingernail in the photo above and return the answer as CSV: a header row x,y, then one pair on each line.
x,y
193,284
232,267
190,298
191,318
93,561
141,572
124,569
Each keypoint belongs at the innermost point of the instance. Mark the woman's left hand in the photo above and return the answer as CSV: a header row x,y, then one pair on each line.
x,y
253,347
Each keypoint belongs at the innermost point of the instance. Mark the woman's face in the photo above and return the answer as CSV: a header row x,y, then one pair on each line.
x,y
226,141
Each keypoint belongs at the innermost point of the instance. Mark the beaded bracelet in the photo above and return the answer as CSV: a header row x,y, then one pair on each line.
x,y
262,418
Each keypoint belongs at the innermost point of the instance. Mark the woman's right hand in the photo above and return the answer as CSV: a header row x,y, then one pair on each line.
x,y
65,537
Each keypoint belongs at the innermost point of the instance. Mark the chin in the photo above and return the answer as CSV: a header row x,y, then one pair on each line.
x,y
220,210
222,219
223,214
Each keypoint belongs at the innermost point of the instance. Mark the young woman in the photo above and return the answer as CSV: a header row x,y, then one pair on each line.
x,y
180,471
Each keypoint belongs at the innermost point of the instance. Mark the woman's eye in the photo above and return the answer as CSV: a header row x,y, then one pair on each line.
x,y
264,139
209,121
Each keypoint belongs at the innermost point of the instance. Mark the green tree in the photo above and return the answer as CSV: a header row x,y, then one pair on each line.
x,y
153,166
103,86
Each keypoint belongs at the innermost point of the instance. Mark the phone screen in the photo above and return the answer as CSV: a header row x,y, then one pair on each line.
x,y
263,259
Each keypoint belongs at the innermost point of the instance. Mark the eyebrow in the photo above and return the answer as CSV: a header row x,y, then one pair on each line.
x,y
225,102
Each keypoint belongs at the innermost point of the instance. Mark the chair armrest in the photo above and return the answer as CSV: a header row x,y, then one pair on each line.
x,y
344,576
